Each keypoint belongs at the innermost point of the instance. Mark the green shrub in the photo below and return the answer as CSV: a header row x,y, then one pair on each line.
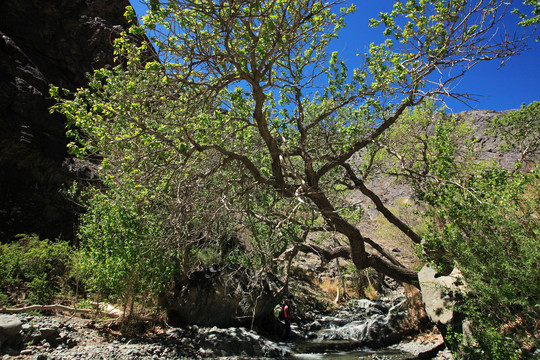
x,y
484,220
34,270
489,228
122,257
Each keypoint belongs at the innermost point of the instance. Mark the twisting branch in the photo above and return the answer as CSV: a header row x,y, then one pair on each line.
x,y
359,184
326,255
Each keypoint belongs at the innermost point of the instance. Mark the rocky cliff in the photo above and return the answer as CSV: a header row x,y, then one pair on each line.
x,y
44,42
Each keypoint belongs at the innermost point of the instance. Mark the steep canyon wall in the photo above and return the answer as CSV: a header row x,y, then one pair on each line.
x,y
44,42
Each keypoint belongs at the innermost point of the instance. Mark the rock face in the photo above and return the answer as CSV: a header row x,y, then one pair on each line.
x,y
44,42
225,296
490,144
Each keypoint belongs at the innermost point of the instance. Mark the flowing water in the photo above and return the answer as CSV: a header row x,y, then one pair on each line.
x,y
344,350
386,354
343,335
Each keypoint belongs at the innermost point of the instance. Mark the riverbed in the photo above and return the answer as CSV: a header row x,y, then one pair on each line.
x,y
361,329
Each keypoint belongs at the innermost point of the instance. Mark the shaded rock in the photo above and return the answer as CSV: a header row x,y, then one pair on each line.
x,y
48,332
42,43
10,332
313,326
238,342
226,296
430,354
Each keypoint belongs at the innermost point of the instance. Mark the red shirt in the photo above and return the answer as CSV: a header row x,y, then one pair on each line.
x,y
287,312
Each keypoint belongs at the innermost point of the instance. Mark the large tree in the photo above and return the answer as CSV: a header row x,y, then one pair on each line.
x,y
248,110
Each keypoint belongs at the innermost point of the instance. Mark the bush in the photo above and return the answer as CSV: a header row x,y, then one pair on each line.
x,y
483,219
122,257
34,270
489,228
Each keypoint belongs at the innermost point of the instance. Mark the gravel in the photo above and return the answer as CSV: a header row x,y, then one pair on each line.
x,y
60,338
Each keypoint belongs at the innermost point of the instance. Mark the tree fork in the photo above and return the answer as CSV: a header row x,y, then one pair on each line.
x,y
359,256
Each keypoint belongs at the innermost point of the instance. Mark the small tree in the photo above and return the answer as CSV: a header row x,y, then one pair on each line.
x,y
120,258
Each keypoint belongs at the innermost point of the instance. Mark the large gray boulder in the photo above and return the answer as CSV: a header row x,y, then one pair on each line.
x,y
10,332
226,296
439,295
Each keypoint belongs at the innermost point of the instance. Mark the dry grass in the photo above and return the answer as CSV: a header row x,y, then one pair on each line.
x,y
370,292
330,287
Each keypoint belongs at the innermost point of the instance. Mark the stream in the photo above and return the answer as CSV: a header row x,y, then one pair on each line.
x,y
362,329
386,354
344,350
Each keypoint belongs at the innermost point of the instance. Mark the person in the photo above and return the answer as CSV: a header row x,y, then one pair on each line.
x,y
287,314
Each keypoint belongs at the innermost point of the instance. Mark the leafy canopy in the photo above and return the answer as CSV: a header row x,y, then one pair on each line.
x,y
247,102
477,211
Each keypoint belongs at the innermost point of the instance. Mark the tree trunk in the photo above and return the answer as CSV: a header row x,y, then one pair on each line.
x,y
359,255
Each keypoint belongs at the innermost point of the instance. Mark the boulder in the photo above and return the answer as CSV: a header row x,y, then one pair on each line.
x,y
10,332
237,342
226,296
439,295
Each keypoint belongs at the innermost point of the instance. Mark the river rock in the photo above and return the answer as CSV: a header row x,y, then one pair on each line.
x,y
10,332
377,331
238,342
369,323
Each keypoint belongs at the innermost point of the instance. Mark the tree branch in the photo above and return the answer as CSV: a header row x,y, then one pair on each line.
x,y
380,206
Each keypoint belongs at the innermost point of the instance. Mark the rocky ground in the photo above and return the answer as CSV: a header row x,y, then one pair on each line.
x,y
59,338
428,345
65,337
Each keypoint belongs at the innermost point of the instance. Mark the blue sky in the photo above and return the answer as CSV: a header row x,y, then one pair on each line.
x,y
517,82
